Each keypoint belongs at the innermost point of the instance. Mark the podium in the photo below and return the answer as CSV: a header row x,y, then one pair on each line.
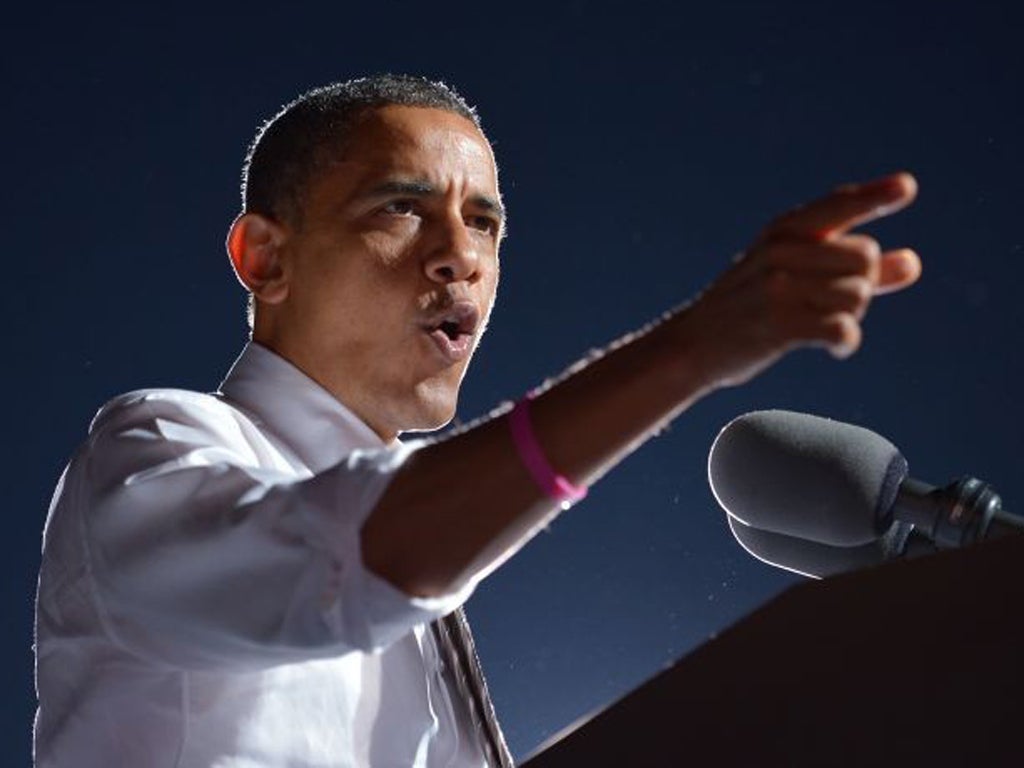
x,y
912,663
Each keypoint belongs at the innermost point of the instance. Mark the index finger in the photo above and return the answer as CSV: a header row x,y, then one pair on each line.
x,y
846,207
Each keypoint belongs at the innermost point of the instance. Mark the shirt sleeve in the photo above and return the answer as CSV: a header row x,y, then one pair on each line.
x,y
199,556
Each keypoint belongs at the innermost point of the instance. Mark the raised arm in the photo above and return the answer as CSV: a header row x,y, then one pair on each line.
x,y
457,509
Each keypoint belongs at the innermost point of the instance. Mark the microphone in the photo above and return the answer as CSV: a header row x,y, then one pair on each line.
x,y
812,558
809,558
837,485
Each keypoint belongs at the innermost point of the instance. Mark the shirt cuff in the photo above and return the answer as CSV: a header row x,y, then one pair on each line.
x,y
367,610
391,613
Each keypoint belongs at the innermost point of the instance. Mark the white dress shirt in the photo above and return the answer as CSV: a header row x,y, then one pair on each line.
x,y
202,599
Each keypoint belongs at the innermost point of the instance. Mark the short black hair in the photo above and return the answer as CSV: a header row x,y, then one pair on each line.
x,y
310,131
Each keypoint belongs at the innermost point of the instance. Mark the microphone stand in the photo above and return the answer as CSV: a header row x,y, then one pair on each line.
x,y
957,515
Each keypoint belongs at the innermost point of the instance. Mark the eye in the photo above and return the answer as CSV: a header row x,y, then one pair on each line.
x,y
483,224
399,207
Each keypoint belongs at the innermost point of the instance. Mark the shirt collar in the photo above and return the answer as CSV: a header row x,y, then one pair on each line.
x,y
284,400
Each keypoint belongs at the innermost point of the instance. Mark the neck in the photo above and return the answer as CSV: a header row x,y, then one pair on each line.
x,y
386,434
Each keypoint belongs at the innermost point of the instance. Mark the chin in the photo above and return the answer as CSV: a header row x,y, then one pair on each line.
x,y
433,409
428,423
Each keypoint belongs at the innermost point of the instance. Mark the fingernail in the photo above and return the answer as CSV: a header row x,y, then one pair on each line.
x,y
899,183
885,210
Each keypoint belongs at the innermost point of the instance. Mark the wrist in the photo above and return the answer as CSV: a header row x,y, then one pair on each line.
x,y
687,354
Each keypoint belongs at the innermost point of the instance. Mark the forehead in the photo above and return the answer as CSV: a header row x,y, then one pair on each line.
x,y
433,144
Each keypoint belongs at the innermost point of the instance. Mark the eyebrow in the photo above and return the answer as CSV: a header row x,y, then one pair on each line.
x,y
418,188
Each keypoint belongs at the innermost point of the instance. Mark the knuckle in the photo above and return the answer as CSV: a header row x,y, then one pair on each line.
x,y
861,261
828,329
870,246
864,252
846,333
860,290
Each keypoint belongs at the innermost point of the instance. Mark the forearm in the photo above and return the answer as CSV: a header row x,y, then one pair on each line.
x,y
460,507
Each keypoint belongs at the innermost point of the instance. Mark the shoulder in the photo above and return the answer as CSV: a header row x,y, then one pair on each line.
x,y
153,401
168,403
168,413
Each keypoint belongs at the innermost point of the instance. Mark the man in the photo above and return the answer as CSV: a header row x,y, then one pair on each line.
x,y
256,577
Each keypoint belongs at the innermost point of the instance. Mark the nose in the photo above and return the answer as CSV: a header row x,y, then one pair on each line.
x,y
453,255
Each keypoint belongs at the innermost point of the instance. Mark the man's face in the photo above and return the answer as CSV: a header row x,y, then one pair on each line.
x,y
392,271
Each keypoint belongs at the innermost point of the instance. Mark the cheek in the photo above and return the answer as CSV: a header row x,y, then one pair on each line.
x,y
358,280
491,285
385,248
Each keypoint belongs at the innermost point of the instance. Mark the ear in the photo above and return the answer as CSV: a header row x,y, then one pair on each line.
x,y
254,245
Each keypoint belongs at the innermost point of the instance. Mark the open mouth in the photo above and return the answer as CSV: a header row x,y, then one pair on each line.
x,y
453,329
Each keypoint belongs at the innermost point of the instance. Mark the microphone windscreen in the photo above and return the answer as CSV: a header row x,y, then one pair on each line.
x,y
806,476
808,558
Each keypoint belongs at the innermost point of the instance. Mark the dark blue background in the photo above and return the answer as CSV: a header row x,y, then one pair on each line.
x,y
641,145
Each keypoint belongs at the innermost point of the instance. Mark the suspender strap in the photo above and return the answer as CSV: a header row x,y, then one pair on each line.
x,y
456,641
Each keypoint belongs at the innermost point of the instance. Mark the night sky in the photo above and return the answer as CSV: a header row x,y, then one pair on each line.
x,y
641,146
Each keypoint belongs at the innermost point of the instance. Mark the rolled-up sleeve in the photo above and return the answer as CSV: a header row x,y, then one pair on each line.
x,y
201,555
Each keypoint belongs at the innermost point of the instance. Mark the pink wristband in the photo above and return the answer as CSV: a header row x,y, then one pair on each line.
x,y
553,484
